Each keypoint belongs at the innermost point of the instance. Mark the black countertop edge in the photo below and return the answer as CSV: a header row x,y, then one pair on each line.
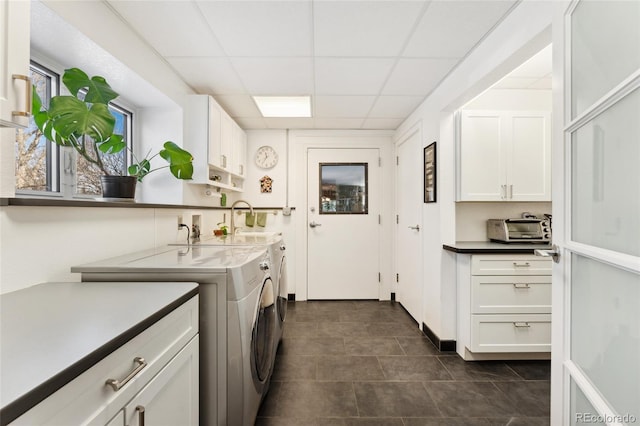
x,y
16,408
497,250
57,202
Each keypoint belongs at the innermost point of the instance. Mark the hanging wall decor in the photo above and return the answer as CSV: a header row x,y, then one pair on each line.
x,y
265,184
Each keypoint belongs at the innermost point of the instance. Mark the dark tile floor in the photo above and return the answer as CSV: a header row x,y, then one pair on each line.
x,y
349,363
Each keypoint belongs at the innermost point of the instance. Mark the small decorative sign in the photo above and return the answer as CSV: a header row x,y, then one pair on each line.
x,y
430,174
265,184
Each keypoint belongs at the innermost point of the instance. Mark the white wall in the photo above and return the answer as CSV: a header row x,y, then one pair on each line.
x,y
512,100
518,37
471,218
40,244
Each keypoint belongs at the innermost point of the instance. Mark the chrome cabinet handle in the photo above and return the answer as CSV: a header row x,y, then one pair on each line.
x,y
521,325
510,191
223,160
140,410
503,191
314,224
116,385
554,253
27,98
415,228
521,265
521,285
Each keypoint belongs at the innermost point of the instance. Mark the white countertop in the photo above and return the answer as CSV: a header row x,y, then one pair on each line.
x,y
51,333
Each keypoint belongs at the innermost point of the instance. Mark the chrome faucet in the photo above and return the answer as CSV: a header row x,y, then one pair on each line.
x,y
233,227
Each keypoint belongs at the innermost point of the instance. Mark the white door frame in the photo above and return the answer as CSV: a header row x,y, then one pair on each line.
x,y
300,142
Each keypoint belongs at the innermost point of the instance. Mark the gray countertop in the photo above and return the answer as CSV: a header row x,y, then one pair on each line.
x,y
51,333
490,247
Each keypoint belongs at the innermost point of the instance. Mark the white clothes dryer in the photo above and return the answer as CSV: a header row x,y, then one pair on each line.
x,y
277,249
237,319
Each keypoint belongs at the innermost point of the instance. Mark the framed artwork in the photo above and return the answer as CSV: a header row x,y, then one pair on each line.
x,y
430,172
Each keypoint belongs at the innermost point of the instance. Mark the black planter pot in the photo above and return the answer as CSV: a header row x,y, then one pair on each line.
x,y
118,186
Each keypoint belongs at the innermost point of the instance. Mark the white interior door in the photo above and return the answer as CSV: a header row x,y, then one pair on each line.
x,y
409,222
343,223
596,352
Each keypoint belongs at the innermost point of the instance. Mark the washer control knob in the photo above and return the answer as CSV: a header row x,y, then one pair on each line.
x,y
264,266
282,247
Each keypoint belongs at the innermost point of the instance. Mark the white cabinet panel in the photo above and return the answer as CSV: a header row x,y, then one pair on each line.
x,y
510,333
510,295
504,156
510,265
15,86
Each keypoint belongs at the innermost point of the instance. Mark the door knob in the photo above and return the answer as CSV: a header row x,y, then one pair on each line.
x,y
314,224
553,253
415,228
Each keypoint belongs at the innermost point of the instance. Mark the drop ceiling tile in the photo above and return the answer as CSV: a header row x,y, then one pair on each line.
x,y
363,28
275,76
290,123
251,122
238,105
214,76
417,76
261,28
395,106
172,28
449,29
342,106
351,76
382,123
338,123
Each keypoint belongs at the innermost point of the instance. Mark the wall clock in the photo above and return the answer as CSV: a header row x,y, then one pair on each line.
x,y
266,157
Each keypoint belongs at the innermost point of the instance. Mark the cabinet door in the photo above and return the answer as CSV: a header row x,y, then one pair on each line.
x,y
529,160
171,398
226,136
482,171
239,158
15,85
215,133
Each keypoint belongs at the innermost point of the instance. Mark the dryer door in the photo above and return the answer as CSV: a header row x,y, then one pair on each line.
x,y
263,334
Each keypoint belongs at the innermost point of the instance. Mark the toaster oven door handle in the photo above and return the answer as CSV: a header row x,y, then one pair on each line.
x,y
554,253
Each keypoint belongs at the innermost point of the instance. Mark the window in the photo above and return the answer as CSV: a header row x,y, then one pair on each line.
x,y
36,158
43,168
344,188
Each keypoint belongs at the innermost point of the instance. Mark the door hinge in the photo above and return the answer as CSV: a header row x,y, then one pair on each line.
x,y
379,277
397,278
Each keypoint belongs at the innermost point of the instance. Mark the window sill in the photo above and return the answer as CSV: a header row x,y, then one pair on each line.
x,y
58,202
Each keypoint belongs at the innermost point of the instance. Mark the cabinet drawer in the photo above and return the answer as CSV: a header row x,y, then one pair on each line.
x,y
510,294
510,265
87,400
511,333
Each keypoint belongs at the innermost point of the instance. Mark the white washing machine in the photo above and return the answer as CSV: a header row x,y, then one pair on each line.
x,y
237,319
275,243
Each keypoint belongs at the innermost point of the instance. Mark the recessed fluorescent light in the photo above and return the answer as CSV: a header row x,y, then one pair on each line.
x,y
284,106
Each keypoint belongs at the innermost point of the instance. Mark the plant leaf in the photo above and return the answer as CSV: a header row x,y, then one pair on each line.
x,y
140,170
70,116
113,145
98,90
180,161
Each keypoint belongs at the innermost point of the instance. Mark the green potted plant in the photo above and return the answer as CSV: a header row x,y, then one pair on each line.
x,y
83,121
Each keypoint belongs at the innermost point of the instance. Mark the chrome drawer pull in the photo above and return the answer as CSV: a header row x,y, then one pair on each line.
x,y
521,285
521,325
521,265
140,410
117,385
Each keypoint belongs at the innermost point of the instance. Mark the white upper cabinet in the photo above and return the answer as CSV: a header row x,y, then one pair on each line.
x,y
15,85
217,143
504,156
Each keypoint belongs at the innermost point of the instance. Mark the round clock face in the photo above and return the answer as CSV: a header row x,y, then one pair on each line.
x,y
266,157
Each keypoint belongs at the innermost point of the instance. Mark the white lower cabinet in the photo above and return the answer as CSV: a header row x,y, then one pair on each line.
x,y
157,370
504,304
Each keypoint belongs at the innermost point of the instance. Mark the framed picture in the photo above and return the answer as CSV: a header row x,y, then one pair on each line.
x,y
430,173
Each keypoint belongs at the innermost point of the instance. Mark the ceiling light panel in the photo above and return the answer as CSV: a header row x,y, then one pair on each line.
x,y
284,106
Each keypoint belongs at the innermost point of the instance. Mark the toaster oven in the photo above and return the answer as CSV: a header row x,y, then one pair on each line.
x,y
519,230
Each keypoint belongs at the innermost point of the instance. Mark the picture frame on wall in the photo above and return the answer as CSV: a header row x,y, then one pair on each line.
x,y
430,173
